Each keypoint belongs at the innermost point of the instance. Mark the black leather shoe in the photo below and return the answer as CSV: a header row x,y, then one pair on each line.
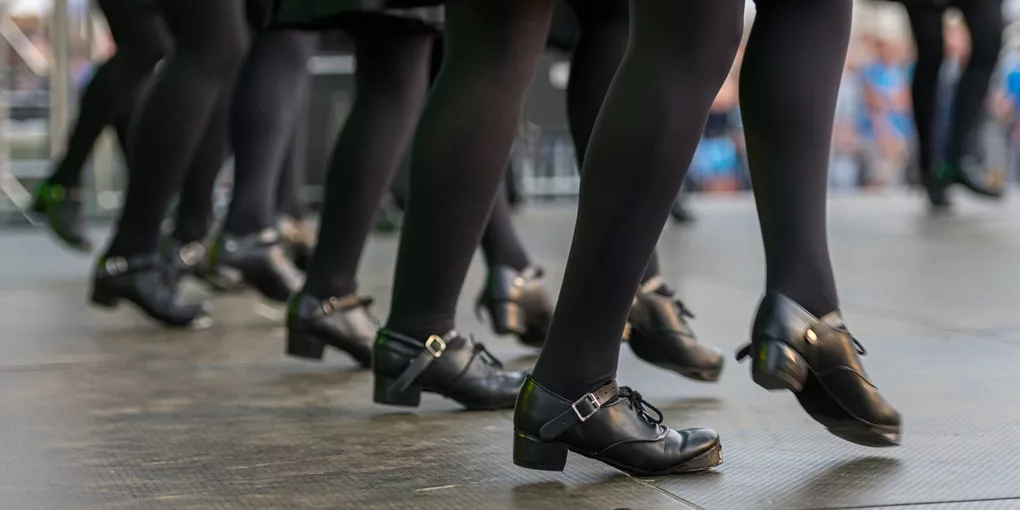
x,y
344,323
938,194
818,360
659,333
518,304
970,173
141,280
611,425
681,212
453,366
62,209
262,260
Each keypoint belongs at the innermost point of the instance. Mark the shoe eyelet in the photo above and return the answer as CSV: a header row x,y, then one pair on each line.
x,y
812,338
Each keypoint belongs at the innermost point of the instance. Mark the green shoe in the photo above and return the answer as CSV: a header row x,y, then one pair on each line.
x,y
62,208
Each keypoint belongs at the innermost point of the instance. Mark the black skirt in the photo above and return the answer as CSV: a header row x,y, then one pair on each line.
x,y
328,14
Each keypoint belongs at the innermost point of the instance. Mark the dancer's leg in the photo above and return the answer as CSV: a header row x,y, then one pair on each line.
x,y
142,40
984,21
926,24
788,87
650,125
110,97
209,44
491,51
648,129
272,87
194,214
392,80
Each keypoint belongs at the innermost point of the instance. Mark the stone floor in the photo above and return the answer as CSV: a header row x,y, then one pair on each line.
x,y
104,410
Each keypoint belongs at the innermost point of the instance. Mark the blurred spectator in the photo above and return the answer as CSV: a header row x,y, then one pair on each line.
x,y
845,166
887,126
718,164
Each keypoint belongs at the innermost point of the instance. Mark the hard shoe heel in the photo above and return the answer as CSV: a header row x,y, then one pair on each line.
x,y
382,394
304,345
104,298
533,453
778,367
508,318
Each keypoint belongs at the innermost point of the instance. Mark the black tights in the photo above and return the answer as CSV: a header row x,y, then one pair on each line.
x,y
602,41
984,19
209,40
112,95
596,56
680,53
460,152
289,197
271,94
392,79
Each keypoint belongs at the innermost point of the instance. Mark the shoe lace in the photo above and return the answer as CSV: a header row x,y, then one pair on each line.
x,y
683,310
480,351
366,302
639,404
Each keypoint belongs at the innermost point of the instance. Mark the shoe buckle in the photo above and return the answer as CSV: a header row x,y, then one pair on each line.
x,y
115,265
435,345
591,401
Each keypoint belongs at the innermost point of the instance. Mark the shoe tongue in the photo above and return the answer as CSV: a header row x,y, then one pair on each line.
x,y
657,285
834,320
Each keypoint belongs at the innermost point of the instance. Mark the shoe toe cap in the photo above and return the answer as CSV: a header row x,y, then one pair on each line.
x,y
698,441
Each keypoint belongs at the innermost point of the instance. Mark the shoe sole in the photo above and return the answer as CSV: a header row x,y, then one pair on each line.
x,y
108,301
307,346
553,458
411,397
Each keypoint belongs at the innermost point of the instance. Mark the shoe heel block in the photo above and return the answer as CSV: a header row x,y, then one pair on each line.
x,y
388,362
509,318
301,343
533,453
103,296
777,366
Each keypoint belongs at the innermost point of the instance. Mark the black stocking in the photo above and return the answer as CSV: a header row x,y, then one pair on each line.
x,y
209,40
460,152
392,79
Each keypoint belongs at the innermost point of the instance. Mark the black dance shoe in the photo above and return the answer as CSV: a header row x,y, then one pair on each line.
x,y
453,366
62,207
518,304
262,261
191,259
659,333
344,323
142,281
970,173
612,425
681,212
818,360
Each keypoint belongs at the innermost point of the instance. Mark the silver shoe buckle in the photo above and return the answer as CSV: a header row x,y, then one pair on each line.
x,y
439,344
592,401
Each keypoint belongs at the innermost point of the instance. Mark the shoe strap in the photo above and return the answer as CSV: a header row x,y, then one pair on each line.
x,y
434,345
113,266
580,411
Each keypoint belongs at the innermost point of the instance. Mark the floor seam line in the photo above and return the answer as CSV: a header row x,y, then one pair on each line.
x,y
908,505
